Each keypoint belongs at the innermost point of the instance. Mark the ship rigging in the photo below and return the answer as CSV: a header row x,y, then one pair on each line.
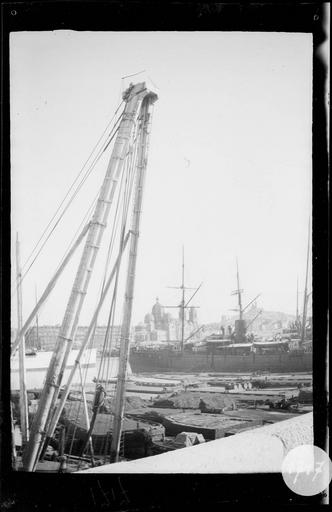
x,y
185,305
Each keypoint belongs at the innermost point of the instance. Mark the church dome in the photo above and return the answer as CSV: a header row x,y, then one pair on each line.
x,y
157,311
148,318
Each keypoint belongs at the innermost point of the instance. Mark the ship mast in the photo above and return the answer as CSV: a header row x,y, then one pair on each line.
x,y
297,300
23,390
141,163
37,321
297,318
239,290
240,324
86,341
306,296
133,97
182,304
47,291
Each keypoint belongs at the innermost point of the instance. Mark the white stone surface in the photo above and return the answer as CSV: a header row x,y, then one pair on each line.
x,y
261,450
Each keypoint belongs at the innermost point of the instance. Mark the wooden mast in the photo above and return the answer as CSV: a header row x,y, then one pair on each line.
x,y
23,390
185,305
47,291
182,304
140,170
306,296
297,300
13,447
238,290
133,97
66,389
37,321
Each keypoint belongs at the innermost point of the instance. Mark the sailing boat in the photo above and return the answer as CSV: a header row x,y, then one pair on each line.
x,y
127,167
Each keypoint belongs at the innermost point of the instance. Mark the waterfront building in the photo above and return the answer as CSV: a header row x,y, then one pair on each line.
x,y
161,326
44,337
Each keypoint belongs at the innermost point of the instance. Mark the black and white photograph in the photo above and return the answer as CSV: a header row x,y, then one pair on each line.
x,y
162,239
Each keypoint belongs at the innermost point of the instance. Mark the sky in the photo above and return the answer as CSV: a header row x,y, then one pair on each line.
x,y
229,166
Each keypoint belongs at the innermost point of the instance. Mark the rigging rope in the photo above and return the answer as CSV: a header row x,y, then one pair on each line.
x,y
107,344
92,339
83,222
130,174
119,229
64,211
109,139
72,185
126,196
125,193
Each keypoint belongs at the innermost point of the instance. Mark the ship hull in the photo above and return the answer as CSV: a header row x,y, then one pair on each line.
x,y
36,367
188,363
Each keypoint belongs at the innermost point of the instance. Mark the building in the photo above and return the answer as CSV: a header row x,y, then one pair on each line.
x,y
45,336
141,333
160,326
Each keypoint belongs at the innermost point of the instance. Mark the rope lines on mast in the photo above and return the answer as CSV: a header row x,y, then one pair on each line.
x,y
104,351
75,418
140,169
105,370
130,174
125,193
119,226
107,263
80,233
83,222
77,177
43,423
92,165
91,341
90,169
81,281
126,188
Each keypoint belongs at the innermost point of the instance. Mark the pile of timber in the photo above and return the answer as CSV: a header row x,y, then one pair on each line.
x,y
211,426
192,399
137,434
131,402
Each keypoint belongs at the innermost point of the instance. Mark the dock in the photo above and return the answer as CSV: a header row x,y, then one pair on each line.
x,y
261,450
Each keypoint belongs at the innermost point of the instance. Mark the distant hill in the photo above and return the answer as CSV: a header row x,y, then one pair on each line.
x,y
265,320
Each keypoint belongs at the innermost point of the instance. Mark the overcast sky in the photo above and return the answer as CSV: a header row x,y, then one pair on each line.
x,y
229,171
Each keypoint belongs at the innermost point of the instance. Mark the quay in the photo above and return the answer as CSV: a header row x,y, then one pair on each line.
x,y
261,450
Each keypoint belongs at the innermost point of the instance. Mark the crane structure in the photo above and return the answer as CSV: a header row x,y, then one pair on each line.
x,y
131,144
